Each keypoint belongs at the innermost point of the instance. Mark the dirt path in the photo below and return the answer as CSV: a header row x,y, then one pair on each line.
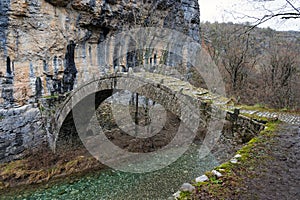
x,y
279,176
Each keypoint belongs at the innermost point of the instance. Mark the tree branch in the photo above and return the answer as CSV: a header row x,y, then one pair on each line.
x,y
268,17
293,6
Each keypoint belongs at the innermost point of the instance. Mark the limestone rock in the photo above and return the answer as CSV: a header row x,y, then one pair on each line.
x,y
20,129
238,156
201,178
187,187
216,173
233,160
35,35
176,195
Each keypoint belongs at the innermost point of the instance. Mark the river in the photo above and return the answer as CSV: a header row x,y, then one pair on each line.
x,y
111,184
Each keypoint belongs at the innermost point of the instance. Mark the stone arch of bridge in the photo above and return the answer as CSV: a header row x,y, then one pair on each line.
x,y
167,91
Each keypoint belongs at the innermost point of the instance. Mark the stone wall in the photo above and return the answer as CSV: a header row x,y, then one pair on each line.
x,y
21,128
240,128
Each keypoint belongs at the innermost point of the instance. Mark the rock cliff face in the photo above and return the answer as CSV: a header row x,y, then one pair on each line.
x,y
35,36
21,129
48,47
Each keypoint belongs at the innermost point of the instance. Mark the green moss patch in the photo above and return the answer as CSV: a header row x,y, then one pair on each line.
x,y
186,195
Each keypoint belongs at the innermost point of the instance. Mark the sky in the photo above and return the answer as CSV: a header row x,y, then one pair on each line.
x,y
239,11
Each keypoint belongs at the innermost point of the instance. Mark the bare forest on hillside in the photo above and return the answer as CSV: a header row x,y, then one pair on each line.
x,y
261,66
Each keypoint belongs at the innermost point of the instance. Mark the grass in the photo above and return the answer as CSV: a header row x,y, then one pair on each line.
x,y
186,195
256,117
256,107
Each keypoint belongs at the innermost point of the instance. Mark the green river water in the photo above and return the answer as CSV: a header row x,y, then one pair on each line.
x,y
110,184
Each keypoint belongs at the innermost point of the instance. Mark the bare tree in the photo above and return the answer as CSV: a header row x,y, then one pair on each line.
x,y
237,60
260,66
279,74
231,51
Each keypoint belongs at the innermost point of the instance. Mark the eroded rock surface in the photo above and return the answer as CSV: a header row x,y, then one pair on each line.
x,y
20,129
35,35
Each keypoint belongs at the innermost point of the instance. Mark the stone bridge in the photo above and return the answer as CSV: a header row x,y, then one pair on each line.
x,y
193,106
